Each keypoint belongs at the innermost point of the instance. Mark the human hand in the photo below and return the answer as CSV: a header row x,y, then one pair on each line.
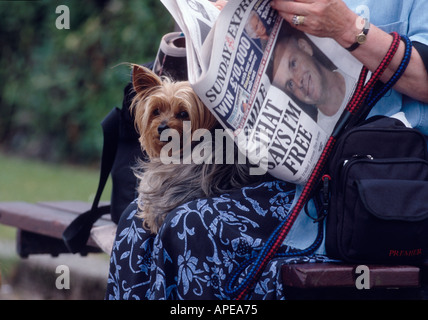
x,y
322,18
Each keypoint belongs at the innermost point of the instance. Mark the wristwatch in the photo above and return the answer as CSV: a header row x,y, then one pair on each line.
x,y
361,37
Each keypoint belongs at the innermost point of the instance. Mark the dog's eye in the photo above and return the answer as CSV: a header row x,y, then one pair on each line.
x,y
182,115
156,112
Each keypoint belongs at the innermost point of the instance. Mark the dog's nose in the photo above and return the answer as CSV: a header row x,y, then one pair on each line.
x,y
162,127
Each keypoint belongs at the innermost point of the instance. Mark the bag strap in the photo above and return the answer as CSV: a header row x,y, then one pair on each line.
x,y
380,89
276,239
77,233
110,127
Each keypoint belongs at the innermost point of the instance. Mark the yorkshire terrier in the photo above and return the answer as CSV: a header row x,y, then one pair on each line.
x,y
160,104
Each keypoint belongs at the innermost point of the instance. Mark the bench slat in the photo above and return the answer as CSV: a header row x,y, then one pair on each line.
x,y
323,275
40,219
75,207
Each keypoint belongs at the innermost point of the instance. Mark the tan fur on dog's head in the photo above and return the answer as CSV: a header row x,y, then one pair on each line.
x,y
160,104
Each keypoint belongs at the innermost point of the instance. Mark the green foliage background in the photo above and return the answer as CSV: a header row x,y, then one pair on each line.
x,y
56,86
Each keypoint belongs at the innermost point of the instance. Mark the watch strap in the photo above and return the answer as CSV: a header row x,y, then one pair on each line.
x,y
365,31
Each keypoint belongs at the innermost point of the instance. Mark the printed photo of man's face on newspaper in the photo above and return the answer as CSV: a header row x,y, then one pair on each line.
x,y
259,29
301,70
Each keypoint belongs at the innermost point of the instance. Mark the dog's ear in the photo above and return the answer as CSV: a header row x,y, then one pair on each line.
x,y
144,79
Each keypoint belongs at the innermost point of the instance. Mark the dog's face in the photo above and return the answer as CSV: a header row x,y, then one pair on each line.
x,y
162,104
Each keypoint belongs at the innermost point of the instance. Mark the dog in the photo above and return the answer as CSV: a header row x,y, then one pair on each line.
x,y
159,104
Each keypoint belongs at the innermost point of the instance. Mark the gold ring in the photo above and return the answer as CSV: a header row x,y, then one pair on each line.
x,y
298,20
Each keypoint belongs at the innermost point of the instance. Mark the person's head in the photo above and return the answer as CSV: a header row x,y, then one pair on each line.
x,y
255,27
297,69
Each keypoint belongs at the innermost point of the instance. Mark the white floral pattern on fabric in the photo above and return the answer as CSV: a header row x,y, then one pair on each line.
x,y
200,245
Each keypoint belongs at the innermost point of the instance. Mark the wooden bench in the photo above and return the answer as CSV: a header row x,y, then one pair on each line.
x,y
40,227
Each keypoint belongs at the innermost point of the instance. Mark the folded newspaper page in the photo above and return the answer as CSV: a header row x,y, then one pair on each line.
x,y
281,89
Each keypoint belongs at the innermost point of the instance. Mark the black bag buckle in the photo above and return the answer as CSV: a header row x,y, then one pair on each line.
x,y
325,198
321,200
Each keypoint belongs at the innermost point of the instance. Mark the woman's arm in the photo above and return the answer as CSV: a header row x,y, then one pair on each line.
x,y
333,19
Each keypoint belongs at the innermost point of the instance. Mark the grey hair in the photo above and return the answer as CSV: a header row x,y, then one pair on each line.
x,y
249,28
163,187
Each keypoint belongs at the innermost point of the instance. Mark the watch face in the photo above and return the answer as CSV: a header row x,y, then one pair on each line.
x,y
361,38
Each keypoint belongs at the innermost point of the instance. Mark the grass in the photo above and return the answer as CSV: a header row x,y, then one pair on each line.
x,y
29,180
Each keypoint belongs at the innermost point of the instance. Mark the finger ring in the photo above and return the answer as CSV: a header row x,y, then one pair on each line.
x,y
298,20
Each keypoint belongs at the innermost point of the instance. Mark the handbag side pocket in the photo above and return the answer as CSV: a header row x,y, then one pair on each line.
x,y
386,214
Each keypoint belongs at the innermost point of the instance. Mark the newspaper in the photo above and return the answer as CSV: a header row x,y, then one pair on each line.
x,y
262,78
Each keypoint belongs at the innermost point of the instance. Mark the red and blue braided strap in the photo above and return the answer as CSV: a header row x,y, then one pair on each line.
x,y
378,89
292,252
377,93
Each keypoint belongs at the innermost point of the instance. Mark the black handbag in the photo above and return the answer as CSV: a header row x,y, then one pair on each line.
x,y
378,210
